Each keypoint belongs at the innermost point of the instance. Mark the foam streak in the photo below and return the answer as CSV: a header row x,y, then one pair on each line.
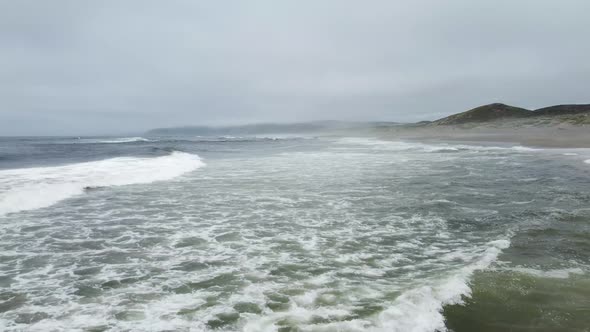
x,y
33,188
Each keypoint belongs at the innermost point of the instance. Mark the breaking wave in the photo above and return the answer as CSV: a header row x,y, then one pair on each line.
x,y
383,145
420,309
125,140
33,188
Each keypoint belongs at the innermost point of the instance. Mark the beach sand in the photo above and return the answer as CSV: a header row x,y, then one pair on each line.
x,y
547,137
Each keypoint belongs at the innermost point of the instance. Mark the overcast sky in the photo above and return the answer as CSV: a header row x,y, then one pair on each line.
x,y
121,66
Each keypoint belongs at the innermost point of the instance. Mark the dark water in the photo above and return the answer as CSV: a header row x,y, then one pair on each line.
x,y
291,234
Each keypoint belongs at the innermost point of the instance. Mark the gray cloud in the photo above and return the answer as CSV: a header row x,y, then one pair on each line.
x,y
82,67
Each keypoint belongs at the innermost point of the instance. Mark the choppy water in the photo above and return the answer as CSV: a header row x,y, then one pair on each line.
x,y
317,234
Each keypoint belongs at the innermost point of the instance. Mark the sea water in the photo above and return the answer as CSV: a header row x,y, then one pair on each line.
x,y
291,234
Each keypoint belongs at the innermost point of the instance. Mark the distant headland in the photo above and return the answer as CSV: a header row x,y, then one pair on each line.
x,y
268,128
496,114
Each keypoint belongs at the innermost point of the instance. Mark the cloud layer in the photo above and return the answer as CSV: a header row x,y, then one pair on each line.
x,y
79,67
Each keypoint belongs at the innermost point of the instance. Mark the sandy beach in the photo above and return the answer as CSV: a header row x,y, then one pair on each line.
x,y
547,137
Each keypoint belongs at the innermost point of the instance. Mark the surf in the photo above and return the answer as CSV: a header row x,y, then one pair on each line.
x,y
39,187
125,140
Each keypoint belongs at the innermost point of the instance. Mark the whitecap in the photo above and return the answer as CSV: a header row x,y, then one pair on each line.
x,y
553,274
523,148
33,188
125,140
420,309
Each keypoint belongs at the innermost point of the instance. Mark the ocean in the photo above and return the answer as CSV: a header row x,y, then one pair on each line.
x,y
291,233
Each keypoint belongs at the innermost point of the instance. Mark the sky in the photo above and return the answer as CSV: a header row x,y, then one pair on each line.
x,y
72,67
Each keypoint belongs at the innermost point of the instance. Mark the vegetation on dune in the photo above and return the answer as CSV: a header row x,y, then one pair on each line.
x,y
505,115
485,113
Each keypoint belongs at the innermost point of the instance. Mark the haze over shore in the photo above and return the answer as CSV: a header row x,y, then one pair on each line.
x,y
552,126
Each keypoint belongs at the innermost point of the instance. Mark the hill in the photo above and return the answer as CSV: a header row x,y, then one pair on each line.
x,y
484,113
505,114
562,109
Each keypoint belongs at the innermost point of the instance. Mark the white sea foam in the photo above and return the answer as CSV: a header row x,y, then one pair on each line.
x,y
33,188
587,161
554,274
125,140
523,148
419,310
310,240
378,144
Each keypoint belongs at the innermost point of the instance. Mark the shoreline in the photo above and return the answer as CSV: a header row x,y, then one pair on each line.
x,y
548,137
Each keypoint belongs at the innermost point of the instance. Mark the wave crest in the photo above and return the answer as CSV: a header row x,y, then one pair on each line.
x,y
387,145
33,188
420,309
125,140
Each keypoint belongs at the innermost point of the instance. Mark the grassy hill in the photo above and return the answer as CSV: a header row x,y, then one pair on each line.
x,y
502,114
562,109
485,113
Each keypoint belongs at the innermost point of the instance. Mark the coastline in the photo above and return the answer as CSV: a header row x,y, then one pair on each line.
x,y
512,295
571,137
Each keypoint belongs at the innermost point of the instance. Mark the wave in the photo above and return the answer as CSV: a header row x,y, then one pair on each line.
x,y
104,140
249,138
553,274
33,188
125,140
377,144
187,139
420,309
587,161
184,139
